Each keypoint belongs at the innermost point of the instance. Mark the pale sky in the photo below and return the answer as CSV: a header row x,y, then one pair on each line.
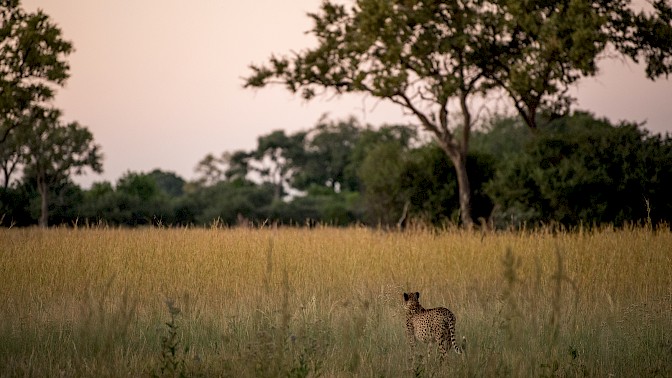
x,y
159,82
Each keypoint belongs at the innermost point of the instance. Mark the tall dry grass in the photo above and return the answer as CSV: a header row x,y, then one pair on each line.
x,y
296,302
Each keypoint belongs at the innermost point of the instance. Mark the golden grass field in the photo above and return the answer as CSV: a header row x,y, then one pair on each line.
x,y
328,302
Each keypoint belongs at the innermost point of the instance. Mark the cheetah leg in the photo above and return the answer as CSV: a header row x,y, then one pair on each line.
x,y
441,340
442,347
410,335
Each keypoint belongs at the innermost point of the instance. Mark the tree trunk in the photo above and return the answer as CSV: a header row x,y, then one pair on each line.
x,y
43,189
7,175
459,160
464,189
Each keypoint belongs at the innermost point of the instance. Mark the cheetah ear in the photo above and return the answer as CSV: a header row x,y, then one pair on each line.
x,y
417,295
405,297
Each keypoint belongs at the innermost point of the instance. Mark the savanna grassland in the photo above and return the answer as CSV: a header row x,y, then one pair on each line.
x,y
328,302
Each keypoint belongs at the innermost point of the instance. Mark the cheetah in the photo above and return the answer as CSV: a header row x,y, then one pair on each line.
x,y
433,325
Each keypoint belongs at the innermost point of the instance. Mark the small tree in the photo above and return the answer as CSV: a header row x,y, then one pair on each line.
x,y
54,151
169,183
327,153
274,158
226,167
32,62
211,169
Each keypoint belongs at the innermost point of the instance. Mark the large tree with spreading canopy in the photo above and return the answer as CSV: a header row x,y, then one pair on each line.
x,y
439,60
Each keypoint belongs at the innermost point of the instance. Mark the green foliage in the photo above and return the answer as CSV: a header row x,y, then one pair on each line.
x,y
172,362
140,201
276,157
327,156
32,62
582,170
52,152
381,174
168,183
15,206
11,158
137,200
501,137
434,185
535,50
574,170
138,185
424,178
427,55
61,201
211,169
236,202
318,168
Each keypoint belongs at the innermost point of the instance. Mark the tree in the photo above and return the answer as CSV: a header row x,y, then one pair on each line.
x,y
369,140
580,169
140,201
327,154
54,151
276,156
169,183
228,166
99,203
434,57
234,202
238,165
211,169
381,173
501,136
65,201
32,62
418,183
414,54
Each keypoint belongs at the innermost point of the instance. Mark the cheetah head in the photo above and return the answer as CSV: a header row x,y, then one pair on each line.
x,y
411,303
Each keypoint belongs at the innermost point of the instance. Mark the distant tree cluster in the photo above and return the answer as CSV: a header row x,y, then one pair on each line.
x,y
573,170
580,169
436,60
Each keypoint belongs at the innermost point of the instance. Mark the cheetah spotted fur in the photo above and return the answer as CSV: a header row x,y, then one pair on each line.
x,y
433,325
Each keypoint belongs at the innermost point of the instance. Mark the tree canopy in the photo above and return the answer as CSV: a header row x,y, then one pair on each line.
x,y
433,58
53,152
32,62
585,170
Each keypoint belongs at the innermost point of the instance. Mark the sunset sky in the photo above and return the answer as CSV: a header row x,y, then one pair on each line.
x,y
159,82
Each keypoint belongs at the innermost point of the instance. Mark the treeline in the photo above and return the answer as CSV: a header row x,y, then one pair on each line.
x,y
573,170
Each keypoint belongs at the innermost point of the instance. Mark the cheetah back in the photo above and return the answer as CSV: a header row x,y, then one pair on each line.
x,y
436,324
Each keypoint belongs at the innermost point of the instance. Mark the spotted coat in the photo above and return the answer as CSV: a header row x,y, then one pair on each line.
x,y
433,325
